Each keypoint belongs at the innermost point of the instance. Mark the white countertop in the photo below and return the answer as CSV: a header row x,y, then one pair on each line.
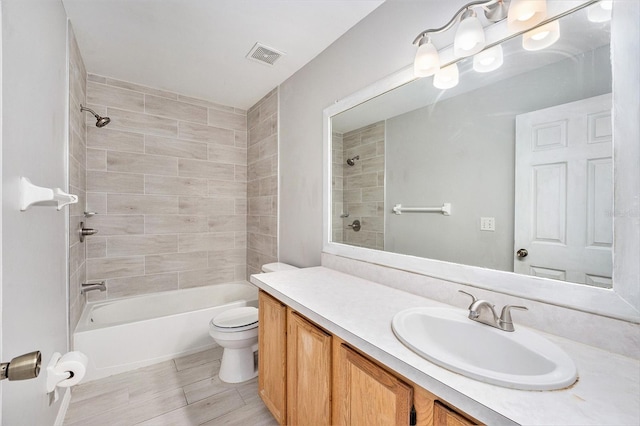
x,y
360,312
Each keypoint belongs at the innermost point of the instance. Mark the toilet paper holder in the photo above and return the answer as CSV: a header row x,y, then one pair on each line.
x,y
58,376
22,367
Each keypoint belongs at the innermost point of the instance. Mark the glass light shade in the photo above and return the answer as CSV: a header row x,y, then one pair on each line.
x,y
524,14
447,77
469,38
427,61
488,60
541,37
600,12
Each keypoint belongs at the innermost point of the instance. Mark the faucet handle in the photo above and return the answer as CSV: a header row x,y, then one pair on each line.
x,y
474,299
505,316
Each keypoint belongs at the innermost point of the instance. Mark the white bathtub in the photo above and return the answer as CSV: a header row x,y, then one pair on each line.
x,y
126,334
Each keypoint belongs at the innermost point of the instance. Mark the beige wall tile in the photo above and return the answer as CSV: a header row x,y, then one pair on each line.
x,y
206,242
206,206
227,120
174,109
227,189
373,194
268,186
261,206
175,147
209,276
96,247
141,245
204,103
227,257
107,138
241,139
115,267
116,224
175,185
141,163
227,223
77,174
205,169
96,159
140,88
115,182
142,123
227,154
240,173
208,134
96,78
174,262
169,224
77,146
101,94
134,286
263,130
362,181
140,204
263,168
97,202
76,256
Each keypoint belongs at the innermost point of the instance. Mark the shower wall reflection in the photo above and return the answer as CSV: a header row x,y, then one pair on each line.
x,y
358,172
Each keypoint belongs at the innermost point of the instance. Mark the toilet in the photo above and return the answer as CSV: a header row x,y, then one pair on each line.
x,y
236,330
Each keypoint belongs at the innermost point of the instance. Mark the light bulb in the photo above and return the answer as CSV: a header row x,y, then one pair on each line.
x,y
469,38
427,61
447,77
523,14
488,60
600,12
541,37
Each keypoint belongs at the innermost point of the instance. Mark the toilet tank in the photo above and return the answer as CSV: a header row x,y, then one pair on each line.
x,y
277,266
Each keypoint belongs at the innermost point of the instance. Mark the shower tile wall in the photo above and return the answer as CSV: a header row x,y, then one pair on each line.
x,y
77,177
168,178
337,185
363,195
262,224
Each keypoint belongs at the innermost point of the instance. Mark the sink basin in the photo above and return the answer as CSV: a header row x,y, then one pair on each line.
x,y
520,359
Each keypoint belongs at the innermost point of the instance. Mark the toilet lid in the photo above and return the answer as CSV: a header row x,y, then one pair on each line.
x,y
237,317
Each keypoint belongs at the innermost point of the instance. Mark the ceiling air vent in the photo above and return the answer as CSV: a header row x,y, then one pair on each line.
x,y
263,54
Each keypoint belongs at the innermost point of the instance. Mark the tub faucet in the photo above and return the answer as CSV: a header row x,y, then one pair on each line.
x,y
483,311
102,286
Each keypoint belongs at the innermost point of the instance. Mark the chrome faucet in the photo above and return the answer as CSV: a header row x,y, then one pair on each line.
x,y
102,286
483,311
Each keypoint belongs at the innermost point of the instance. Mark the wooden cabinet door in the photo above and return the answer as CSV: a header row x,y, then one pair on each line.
x,y
444,416
272,355
308,373
366,394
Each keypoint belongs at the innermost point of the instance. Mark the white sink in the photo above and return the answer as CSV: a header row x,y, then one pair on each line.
x,y
520,359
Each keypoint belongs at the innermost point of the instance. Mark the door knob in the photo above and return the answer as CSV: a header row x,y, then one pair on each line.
x,y
22,367
522,253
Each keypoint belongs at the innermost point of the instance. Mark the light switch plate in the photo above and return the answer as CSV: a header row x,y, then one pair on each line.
x,y
487,223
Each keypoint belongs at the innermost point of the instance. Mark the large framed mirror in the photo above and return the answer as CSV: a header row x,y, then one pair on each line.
x,y
505,181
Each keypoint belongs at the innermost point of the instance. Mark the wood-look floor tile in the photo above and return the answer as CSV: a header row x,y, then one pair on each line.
x,y
199,412
204,357
90,407
255,414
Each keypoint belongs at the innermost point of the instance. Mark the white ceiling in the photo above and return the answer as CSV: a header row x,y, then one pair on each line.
x,y
198,47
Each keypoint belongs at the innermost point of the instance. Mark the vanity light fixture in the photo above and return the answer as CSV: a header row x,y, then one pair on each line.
x,y
469,38
542,37
600,12
469,35
488,60
446,77
524,14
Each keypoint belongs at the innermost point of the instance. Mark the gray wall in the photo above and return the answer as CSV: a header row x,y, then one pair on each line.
x,y
462,151
34,246
377,46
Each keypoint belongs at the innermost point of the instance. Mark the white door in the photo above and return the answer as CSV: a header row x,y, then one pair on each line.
x,y
564,192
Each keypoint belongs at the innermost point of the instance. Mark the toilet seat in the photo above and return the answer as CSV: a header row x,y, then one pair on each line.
x,y
235,320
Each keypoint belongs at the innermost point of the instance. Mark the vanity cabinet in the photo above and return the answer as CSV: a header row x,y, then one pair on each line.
x,y
272,355
308,372
308,376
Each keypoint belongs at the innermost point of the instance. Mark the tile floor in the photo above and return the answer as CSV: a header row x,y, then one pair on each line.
x,y
182,392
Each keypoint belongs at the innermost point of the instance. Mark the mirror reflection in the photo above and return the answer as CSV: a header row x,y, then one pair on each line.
x,y
522,155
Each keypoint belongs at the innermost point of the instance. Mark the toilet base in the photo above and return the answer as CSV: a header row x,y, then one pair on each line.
x,y
238,365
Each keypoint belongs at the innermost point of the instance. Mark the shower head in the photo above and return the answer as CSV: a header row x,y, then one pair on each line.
x,y
101,121
352,161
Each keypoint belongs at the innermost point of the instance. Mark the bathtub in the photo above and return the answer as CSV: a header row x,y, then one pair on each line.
x,y
126,334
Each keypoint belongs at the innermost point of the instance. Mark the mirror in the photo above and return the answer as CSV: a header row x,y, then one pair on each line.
x,y
513,151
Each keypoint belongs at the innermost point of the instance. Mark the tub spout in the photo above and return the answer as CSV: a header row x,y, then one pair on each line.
x,y
102,286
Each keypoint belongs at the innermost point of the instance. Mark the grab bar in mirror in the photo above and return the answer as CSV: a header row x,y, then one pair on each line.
x,y
445,209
